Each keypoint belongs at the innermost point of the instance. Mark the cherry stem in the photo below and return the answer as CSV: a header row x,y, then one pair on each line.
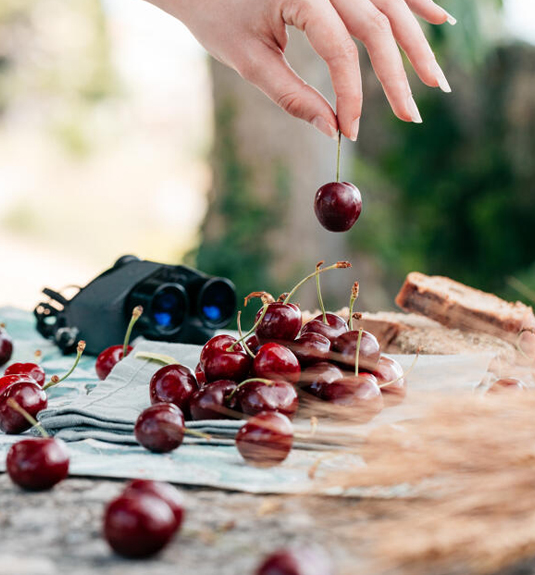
x,y
312,432
247,349
357,352
159,357
252,330
338,156
34,423
318,289
38,356
405,374
337,265
54,380
136,314
352,300
197,434
268,382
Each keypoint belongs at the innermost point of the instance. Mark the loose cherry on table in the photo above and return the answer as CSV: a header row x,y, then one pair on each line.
x,y
160,427
256,395
34,370
338,205
222,357
109,358
138,525
6,345
165,491
507,384
30,396
266,439
212,401
296,561
173,384
275,361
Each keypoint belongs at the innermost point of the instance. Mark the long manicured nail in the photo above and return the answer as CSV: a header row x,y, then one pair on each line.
x,y
324,127
414,112
354,130
450,19
443,83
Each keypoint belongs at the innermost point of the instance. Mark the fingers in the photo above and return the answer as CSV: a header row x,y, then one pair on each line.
x,y
372,27
269,70
431,12
411,38
331,40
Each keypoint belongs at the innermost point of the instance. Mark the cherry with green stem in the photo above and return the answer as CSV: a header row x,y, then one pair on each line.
x,y
54,380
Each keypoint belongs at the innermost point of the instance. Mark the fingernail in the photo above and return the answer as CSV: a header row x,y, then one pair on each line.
x,y
414,112
324,127
354,130
443,83
450,20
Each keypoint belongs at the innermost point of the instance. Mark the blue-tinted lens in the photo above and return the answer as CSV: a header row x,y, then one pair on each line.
x,y
217,303
212,312
168,308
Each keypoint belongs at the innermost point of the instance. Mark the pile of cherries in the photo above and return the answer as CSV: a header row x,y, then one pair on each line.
x,y
265,374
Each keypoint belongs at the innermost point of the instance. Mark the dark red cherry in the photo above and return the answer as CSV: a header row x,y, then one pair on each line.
x,y
160,427
388,370
311,348
281,322
315,377
266,439
297,561
108,358
345,347
220,363
33,370
138,525
30,396
211,401
255,396
337,206
7,380
162,490
334,327
275,361
6,346
507,384
253,344
361,393
173,384
199,375
37,464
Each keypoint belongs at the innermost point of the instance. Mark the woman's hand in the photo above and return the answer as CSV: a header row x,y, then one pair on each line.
x,y
250,36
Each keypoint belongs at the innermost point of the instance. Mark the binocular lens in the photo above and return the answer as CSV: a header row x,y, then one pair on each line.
x,y
217,302
168,308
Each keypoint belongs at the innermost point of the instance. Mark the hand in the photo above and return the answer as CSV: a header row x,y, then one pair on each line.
x,y
250,36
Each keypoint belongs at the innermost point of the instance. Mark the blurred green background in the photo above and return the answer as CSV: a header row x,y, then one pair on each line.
x,y
119,135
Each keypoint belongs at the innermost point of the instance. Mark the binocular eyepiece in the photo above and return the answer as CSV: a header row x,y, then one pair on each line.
x,y
179,304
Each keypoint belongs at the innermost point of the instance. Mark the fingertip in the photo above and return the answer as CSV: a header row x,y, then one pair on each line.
x,y
325,127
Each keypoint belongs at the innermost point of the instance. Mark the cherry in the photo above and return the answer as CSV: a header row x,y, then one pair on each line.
x,y
6,345
7,380
38,463
211,401
163,491
281,322
252,343
33,370
138,524
334,327
266,439
200,375
275,361
30,396
296,561
311,348
338,206
315,377
388,370
112,355
360,392
256,395
223,358
507,384
160,427
346,344
173,384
